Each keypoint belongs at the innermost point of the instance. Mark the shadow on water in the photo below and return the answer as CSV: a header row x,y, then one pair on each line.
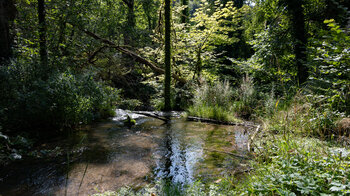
x,y
114,156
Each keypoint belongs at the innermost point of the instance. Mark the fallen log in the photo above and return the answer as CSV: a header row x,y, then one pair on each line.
x,y
208,120
130,53
152,115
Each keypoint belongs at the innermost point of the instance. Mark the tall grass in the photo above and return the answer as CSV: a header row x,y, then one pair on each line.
x,y
214,101
296,154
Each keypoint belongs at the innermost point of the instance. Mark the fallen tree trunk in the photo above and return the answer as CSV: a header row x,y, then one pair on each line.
x,y
207,120
152,115
132,54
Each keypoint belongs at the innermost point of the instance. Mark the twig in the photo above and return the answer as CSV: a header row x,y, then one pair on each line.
x,y
81,182
252,138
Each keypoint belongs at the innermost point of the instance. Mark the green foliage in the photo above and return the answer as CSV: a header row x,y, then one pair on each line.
x,y
246,98
214,101
129,104
195,42
303,115
216,94
330,60
64,100
212,112
298,166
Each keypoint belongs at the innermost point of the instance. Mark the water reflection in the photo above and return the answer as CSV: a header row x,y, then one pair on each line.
x,y
115,156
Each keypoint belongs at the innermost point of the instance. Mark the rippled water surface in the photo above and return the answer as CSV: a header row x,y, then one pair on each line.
x,y
115,156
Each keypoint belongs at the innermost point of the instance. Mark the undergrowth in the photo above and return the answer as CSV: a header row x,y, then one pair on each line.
x,y
214,102
298,152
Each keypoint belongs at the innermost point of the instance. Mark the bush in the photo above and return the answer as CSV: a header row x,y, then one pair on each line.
x,y
65,99
330,59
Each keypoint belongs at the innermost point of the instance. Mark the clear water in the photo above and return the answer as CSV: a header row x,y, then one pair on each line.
x,y
114,156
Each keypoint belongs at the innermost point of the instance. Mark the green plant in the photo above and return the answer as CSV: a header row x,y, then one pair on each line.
x,y
330,59
298,166
65,99
213,101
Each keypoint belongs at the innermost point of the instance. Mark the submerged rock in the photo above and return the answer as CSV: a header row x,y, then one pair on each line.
x,y
129,121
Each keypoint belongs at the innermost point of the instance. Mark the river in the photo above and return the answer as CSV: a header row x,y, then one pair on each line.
x,y
113,156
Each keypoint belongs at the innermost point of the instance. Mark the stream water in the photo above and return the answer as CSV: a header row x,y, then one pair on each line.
x,y
114,156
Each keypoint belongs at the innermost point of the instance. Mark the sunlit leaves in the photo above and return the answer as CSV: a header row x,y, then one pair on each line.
x,y
330,57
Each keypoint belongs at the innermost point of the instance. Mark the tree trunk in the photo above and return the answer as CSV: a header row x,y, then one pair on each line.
x,y
7,14
167,80
295,9
199,63
185,12
42,34
130,24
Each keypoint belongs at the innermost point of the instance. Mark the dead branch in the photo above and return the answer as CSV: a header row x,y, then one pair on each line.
x,y
138,58
251,139
91,58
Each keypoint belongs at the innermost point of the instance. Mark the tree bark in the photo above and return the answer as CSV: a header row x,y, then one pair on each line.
x,y
130,24
42,34
296,12
7,14
167,80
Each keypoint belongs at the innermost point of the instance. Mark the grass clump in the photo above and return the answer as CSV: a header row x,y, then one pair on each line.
x,y
214,102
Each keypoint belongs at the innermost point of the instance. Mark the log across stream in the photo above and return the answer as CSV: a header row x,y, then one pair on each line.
x,y
113,156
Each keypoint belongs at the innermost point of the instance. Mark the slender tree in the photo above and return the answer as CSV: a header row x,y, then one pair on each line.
x,y
130,23
7,13
167,80
296,14
42,33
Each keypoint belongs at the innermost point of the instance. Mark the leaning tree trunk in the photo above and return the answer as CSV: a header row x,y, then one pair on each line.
x,y
167,80
42,34
7,14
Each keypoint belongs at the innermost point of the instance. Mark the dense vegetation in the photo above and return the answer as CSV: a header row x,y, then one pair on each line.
x,y
284,64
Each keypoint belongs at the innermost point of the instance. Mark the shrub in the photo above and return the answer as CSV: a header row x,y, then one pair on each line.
x,y
65,99
330,59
